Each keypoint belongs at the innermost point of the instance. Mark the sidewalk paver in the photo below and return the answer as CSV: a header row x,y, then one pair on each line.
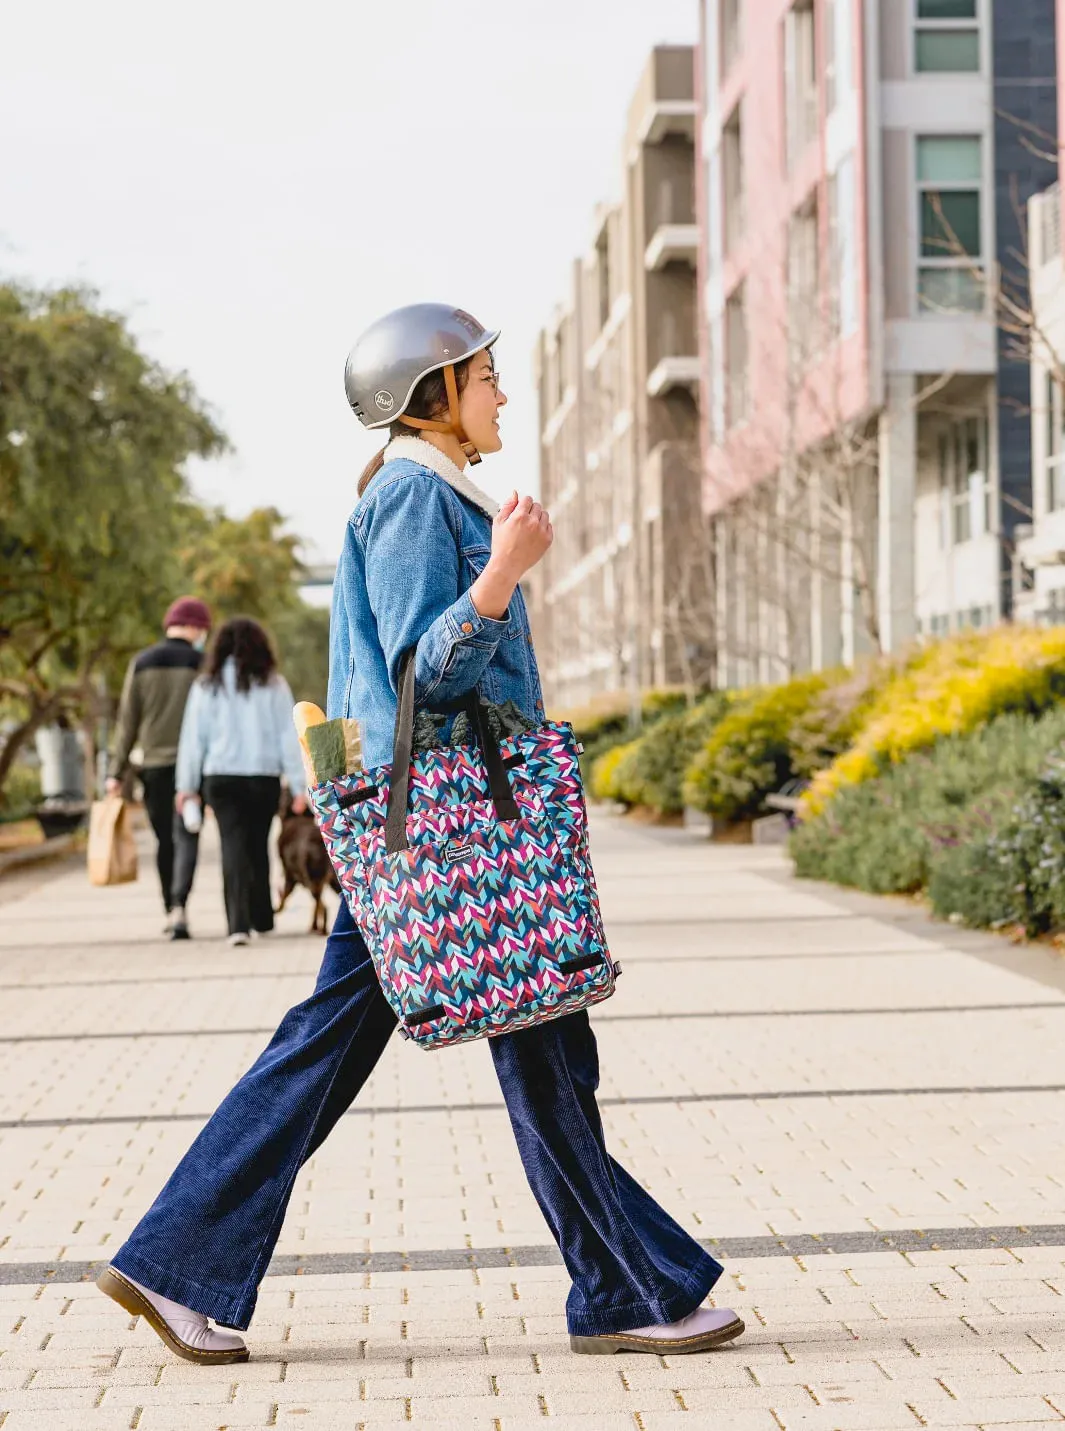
x,y
778,1063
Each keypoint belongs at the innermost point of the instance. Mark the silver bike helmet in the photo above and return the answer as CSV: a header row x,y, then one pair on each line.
x,y
395,353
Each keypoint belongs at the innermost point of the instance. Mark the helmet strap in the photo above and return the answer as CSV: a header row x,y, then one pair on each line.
x,y
454,422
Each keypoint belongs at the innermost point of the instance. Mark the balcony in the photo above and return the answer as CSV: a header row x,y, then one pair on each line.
x,y
673,372
668,116
672,243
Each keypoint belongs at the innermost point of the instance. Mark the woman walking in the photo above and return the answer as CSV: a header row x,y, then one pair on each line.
x,y
430,562
237,740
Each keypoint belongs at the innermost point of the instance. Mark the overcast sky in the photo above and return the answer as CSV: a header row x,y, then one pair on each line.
x,y
254,184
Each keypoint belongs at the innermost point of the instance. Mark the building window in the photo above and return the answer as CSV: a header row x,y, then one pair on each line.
x,y
946,37
736,358
950,277
936,626
800,80
1053,613
731,33
978,617
843,254
1055,450
963,480
804,282
732,178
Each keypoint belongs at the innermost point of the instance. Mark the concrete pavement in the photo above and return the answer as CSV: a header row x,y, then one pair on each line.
x,y
862,1113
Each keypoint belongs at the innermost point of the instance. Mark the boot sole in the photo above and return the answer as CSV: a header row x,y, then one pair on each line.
x,y
112,1284
659,1346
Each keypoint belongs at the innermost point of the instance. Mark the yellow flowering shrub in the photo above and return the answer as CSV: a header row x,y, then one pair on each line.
x,y
614,775
605,721
948,688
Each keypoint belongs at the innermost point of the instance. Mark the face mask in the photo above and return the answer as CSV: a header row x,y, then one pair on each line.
x,y
200,643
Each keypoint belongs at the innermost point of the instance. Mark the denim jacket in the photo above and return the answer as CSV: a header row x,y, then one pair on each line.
x,y
415,543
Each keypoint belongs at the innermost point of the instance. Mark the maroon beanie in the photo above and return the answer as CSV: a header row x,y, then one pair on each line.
x,y
188,611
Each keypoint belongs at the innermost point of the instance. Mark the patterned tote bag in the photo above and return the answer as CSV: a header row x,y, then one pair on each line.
x,y
467,870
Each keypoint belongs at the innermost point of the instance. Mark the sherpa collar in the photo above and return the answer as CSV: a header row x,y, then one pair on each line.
x,y
416,449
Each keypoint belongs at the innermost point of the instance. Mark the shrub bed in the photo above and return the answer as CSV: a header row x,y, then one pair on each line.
x,y
946,689
751,752
941,771
927,822
1014,875
663,755
21,793
613,774
603,724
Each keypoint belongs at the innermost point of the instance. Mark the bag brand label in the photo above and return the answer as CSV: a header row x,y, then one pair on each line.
x,y
457,851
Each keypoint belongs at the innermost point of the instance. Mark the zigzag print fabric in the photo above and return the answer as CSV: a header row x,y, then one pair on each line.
x,y
482,926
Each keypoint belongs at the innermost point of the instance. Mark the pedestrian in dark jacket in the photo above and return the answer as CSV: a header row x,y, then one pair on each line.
x,y
150,713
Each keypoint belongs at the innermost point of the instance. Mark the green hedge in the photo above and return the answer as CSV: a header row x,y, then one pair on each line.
x,y
1016,874
602,726
22,792
920,824
650,770
664,754
751,751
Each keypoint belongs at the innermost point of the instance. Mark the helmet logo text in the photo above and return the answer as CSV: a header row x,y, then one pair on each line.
x,y
384,400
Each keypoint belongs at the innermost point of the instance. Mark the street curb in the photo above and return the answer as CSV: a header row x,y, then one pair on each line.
x,y
52,849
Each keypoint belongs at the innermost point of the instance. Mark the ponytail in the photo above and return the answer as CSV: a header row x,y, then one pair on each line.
x,y
370,471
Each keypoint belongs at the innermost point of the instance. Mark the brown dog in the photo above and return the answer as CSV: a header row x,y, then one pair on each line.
x,y
304,860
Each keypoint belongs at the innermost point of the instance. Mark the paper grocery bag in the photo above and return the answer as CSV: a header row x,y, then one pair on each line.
x,y
112,851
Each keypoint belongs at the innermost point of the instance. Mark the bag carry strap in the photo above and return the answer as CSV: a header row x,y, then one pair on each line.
x,y
399,792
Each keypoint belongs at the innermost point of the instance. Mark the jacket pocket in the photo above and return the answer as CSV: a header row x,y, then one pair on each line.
x,y
475,559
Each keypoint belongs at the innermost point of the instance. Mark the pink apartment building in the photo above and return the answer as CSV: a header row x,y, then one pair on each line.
x,y
867,448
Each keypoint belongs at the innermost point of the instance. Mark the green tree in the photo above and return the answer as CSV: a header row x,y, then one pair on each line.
x,y
250,566
93,502
302,636
241,566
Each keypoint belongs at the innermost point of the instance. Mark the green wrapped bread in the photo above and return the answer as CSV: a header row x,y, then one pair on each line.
x,y
332,748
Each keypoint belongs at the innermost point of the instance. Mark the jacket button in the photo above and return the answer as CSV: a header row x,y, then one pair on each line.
x,y
467,627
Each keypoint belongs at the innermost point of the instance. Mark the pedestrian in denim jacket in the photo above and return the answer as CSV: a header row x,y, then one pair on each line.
x,y
428,560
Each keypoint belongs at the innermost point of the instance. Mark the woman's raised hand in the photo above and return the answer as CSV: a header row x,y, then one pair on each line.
x,y
521,535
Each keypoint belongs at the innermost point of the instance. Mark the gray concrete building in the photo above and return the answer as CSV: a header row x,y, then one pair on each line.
x,y
623,599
